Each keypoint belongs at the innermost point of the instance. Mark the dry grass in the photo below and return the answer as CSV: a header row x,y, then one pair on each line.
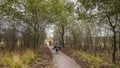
x,y
13,60
38,58
90,61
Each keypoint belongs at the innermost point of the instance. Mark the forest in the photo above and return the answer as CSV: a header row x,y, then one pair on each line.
x,y
88,30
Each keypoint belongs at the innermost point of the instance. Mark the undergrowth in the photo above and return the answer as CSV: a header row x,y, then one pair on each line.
x,y
17,60
95,61
87,60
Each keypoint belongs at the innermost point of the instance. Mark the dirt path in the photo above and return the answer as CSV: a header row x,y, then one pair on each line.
x,y
63,61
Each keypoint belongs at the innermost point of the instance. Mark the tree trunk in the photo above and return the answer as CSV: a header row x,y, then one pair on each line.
x,y
62,36
114,47
114,36
62,39
35,32
119,41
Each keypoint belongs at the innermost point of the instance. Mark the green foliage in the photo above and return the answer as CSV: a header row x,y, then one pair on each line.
x,y
91,3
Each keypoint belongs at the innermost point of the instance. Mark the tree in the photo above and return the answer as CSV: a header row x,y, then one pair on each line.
x,y
110,9
65,11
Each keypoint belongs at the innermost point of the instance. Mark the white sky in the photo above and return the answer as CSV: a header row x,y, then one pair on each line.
x,y
50,30
73,0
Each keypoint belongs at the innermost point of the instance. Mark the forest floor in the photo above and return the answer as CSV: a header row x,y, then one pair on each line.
x,y
89,61
44,60
63,61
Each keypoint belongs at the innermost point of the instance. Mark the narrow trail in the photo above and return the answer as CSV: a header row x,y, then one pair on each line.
x,y
63,61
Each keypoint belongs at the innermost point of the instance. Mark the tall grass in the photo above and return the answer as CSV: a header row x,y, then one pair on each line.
x,y
17,60
95,61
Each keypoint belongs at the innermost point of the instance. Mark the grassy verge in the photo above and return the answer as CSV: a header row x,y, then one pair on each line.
x,y
39,58
89,61
13,60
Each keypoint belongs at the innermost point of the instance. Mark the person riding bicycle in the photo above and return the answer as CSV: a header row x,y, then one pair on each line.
x,y
57,46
